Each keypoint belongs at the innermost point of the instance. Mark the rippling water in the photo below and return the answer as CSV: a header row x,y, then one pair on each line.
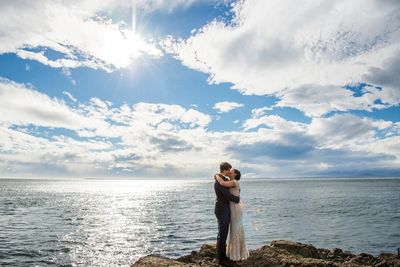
x,y
114,222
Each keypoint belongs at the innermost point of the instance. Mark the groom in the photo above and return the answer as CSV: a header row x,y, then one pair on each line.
x,y
223,213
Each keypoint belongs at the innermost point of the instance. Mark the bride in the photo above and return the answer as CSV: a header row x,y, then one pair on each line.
x,y
237,249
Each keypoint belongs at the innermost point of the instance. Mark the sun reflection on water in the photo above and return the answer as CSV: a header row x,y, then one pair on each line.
x,y
114,216
114,222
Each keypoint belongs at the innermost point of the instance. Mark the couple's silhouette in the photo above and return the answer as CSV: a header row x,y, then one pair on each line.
x,y
228,210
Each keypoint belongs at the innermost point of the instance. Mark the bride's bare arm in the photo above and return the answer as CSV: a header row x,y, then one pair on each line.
x,y
224,183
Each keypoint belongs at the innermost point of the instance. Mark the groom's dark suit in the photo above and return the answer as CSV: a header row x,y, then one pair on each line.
x,y
223,213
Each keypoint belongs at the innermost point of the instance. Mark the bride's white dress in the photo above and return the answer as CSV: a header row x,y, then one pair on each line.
x,y
237,249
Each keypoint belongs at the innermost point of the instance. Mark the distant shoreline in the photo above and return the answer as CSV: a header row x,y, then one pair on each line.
x,y
198,179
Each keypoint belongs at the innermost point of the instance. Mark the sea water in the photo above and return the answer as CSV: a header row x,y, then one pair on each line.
x,y
81,222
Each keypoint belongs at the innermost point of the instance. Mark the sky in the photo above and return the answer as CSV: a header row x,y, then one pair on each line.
x,y
171,88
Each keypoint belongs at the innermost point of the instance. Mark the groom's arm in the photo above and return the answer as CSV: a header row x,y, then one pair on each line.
x,y
227,194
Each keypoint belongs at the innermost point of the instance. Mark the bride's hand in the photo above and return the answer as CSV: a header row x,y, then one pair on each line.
x,y
242,205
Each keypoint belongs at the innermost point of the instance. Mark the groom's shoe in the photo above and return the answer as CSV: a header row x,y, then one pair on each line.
x,y
227,263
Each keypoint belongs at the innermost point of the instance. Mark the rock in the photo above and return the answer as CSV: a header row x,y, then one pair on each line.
x,y
389,260
153,260
279,253
205,256
304,250
336,251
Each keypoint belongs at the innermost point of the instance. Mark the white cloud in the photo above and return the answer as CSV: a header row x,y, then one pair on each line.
x,y
339,145
277,48
273,122
21,105
226,106
257,112
44,136
70,96
348,131
68,74
26,155
40,57
316,101
141,138
164,5
269,48
74,29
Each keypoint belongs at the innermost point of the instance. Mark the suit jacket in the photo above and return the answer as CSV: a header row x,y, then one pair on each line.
x,y
224,196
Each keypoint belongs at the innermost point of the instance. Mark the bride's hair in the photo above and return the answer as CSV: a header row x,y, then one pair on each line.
x,y
238,174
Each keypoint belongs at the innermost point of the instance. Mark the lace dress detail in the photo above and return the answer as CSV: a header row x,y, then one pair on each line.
x,y
237,249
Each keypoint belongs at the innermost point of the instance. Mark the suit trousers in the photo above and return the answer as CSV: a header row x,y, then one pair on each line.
x,y
223,217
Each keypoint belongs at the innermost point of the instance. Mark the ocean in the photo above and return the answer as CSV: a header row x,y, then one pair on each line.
x,y
87,222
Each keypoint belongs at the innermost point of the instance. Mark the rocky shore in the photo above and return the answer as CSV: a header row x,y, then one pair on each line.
x,y
278,253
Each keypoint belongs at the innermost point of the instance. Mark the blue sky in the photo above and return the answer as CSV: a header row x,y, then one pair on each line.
x,y
172,88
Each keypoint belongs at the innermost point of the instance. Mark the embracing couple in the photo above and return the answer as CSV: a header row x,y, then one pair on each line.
x,y
228,210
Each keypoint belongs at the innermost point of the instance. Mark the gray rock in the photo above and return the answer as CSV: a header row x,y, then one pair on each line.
x,y
279,253
305,250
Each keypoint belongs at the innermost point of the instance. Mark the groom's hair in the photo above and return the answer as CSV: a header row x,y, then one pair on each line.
x,y
224,166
